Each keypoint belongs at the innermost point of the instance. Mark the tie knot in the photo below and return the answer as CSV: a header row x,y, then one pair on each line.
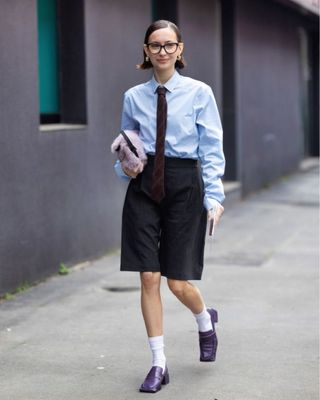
x,y
161,90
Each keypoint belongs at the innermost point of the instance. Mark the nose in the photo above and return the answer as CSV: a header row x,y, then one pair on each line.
x,y
162,51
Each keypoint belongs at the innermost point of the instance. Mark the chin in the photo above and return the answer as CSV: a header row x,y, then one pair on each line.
x,y
166,65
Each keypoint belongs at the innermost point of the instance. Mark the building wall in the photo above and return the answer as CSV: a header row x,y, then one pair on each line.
x,y
268,99
59,198
200,24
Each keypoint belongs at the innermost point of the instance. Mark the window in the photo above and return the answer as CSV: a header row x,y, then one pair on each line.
x,y
61,50
48,61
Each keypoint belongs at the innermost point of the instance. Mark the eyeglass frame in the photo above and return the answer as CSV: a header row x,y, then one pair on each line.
x,y
162,46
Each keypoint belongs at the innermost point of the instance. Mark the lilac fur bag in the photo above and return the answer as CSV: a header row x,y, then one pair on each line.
x,y
130,150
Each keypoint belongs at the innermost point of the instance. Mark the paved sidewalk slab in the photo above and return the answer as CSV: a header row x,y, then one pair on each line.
x,y
71,338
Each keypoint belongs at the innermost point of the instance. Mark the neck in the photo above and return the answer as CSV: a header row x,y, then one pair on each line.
x,y
163,76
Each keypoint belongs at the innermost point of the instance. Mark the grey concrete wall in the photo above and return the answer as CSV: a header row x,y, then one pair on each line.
x,y
59,198
269,124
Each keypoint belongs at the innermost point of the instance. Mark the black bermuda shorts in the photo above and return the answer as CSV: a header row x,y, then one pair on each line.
x,y
168,237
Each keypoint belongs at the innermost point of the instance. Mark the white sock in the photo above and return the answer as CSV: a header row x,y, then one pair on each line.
x,y
204,321
157,347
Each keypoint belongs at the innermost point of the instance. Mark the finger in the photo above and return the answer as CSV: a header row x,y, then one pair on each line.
x,y
129,172
125,171
220,211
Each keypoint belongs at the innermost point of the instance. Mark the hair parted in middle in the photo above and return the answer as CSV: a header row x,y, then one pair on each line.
x,y
161,24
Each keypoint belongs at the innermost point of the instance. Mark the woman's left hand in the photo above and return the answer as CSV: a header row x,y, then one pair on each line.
x,y
214,214
129,172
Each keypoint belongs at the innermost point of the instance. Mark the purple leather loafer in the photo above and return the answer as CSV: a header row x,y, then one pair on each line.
x,y
155,378
208,341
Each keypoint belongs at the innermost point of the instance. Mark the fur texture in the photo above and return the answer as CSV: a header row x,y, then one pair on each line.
x,y
125,155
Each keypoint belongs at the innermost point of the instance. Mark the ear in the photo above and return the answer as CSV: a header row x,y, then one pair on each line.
x,y
180,48
145,49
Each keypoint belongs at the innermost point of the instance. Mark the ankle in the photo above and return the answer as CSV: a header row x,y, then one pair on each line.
x,y
204,321
157,348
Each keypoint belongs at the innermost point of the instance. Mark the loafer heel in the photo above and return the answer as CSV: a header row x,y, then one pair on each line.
x,y
166,379
214,315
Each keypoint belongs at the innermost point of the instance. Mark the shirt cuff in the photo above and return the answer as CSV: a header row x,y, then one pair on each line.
x,y
211,204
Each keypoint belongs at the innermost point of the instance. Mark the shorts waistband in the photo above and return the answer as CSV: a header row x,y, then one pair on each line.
x,y
175,161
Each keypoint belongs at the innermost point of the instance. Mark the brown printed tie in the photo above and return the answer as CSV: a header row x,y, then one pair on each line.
x,y
157,191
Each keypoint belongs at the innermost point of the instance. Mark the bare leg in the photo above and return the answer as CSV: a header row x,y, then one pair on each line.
x,y
151,305
188,294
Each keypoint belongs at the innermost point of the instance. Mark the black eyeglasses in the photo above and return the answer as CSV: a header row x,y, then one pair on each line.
x,y
169,48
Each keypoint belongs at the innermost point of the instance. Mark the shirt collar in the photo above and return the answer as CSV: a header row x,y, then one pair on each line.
x,y
169,85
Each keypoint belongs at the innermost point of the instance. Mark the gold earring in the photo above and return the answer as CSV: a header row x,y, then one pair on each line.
x,y
178,57
147,59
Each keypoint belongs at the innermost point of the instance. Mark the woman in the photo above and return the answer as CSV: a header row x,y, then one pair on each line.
x,y
167,205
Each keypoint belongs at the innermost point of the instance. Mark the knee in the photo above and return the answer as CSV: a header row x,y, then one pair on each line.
x,y
177,287
150,280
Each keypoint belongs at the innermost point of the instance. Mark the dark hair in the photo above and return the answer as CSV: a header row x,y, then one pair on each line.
x,y
160,24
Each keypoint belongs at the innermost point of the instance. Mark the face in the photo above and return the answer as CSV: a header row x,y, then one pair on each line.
x,y
163,61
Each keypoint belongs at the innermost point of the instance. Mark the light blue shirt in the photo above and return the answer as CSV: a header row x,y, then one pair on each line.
x,y
193,127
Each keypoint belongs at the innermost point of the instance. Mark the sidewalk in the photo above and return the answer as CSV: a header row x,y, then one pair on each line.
x,y
81,336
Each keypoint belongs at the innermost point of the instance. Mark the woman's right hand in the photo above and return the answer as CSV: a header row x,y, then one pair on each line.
x,y
215,213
